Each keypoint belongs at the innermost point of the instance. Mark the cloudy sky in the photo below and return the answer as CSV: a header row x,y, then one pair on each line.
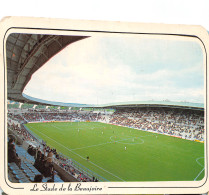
x,y
99,70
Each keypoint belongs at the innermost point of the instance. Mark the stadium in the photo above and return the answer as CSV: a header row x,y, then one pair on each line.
x,y
54,141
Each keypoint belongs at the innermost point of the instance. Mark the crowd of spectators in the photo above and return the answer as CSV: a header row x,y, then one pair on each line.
x,y
55,116
45,157
178,122
31,116
21,131
44,163
16,117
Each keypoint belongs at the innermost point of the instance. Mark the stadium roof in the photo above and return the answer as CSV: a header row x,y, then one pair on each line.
x,y
188,105
26,53
185,105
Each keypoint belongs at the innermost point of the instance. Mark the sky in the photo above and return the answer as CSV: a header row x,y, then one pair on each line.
x,y
101,70
195,12
189,12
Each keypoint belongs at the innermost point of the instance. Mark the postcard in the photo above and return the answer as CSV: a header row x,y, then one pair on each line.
x,y
95,107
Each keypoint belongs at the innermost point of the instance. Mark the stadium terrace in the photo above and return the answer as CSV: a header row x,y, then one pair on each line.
x,y
72,142
37,149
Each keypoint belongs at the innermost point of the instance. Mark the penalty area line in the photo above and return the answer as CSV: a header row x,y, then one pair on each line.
x,y
197,160
201,166
199,174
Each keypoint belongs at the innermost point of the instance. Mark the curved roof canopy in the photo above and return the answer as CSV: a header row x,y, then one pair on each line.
x,y
26,53
118,105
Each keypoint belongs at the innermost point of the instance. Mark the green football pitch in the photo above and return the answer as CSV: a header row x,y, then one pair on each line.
x,y
124,154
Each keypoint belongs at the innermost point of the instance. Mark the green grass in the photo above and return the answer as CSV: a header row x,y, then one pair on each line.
x,y
148,156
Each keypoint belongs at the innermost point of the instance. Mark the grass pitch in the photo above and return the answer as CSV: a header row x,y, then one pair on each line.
x,y
123,154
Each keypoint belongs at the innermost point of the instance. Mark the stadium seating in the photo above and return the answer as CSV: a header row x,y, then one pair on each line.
x,y
183,123
187,124
27,172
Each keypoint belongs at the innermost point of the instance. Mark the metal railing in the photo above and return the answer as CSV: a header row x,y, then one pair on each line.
x,y
81,168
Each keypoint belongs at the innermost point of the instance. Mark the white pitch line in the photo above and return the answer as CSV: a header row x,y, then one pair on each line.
x,y
199,174
81,156
201,166
90,146
199,162
119,141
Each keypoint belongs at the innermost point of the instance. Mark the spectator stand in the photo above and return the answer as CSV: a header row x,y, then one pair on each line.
x,y
75,169
26,172
185,124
